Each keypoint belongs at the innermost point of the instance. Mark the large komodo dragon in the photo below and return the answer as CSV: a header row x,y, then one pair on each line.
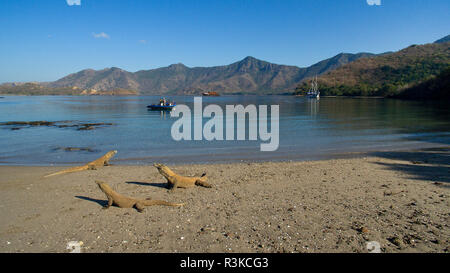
x,y
127,202
98,163
178,181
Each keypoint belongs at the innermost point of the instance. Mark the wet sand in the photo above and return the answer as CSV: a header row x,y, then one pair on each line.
x,y
399,199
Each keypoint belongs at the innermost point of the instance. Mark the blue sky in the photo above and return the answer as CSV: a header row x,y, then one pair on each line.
x,y
46,40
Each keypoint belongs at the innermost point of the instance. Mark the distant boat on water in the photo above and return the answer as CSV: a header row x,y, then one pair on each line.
x,y
161,107
211,93
314,92
164,105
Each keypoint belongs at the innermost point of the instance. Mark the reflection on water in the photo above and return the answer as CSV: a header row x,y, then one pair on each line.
x,y
313,107
309,129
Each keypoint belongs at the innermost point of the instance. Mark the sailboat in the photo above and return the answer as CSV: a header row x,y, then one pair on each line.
x,y
314,92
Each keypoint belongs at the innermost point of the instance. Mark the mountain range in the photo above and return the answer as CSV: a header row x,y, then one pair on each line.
x,y
343,74
249,75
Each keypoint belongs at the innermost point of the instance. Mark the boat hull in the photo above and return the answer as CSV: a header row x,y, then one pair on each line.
x,y
211,94
160,108
313,96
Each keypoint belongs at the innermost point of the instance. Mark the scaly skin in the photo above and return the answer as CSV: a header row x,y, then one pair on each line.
x,y
127,202
177,181
94,165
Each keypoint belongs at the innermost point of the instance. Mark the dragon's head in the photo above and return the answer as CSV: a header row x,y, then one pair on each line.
x,y
163,169
99,183
102,185
110,154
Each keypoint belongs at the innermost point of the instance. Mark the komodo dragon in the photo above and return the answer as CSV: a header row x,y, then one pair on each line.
x,y
178,181
127,202
98,163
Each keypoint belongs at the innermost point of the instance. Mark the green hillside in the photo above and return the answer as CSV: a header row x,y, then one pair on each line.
x,y
435,88
385,75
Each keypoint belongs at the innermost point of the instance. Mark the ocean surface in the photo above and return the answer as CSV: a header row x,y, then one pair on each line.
x,y
308,129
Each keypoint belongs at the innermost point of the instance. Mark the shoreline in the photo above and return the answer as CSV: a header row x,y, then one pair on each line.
x,y
399,199
237,158
177,162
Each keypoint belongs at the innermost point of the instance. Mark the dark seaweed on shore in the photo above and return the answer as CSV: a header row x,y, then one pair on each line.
x,y
17,125
75,149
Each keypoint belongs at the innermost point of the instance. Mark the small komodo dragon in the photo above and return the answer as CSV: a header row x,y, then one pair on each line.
x,y
98,163
178,181
127,202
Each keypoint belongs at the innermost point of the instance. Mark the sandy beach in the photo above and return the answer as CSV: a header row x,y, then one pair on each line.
x,y
399,199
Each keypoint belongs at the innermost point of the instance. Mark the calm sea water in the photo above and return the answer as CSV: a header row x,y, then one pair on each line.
x,y
309,129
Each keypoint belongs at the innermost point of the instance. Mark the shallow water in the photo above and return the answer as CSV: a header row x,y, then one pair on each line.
x,y
309,129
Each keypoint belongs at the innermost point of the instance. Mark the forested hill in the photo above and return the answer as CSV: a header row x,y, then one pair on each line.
x,y
385,75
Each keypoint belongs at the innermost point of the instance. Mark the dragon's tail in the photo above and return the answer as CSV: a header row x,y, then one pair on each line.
x,y
148,202
71,170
